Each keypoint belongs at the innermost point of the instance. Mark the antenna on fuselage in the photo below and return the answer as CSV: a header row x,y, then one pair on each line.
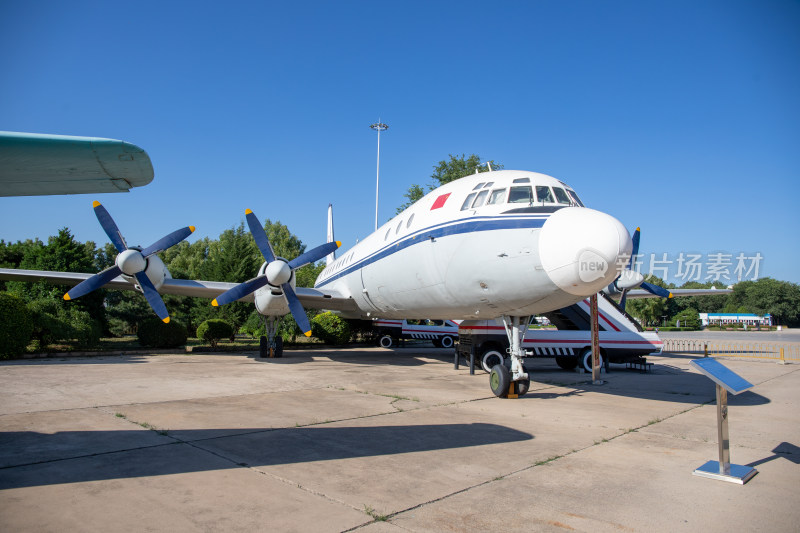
x,y
331,257
489,166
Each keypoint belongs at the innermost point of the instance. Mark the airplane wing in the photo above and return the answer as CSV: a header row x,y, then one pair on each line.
x,y
310,298
33,164
640,293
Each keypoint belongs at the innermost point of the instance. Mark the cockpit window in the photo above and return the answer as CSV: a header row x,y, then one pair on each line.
x,y
522,180
478,186
480,198
561,196
497,197
544,195
574,196
468,201
488,185
520,195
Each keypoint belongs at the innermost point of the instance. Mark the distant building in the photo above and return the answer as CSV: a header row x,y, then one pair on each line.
x,y
735,318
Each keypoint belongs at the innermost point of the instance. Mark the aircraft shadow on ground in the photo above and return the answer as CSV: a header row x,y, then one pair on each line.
x,y
83,456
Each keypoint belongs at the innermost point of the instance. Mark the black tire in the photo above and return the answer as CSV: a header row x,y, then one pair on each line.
x,y
491,357
385,341
499,379
521,387
278,346
446,342
567,362
263,347
585,359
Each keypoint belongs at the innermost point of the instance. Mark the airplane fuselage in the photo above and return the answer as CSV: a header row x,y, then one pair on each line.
x,y
493,244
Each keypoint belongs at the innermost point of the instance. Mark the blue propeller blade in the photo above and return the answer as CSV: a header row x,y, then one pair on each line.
x,y
635,248
170,240
314,255
296,308
240,291
153,298
95,282
258,233
109,227
655,289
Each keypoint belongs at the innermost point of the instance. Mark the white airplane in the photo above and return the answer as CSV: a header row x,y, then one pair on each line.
x,y
504,244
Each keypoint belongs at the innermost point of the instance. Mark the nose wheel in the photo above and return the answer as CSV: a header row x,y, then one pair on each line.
x,y
512,382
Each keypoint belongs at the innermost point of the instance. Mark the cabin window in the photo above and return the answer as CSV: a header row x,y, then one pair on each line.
x,y
399,225
574,196
478,186
468,201
544,194
410,220
561,196
388,231
520,195
497,197
522,180
480,198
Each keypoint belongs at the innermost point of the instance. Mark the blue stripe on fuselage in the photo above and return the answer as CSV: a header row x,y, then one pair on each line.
x,y
468,225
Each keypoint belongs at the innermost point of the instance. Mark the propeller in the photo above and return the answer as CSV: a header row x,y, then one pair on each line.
x,y
130,262
278,273
630,279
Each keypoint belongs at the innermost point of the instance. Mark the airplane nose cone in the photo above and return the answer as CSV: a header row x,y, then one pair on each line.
x,y
583,250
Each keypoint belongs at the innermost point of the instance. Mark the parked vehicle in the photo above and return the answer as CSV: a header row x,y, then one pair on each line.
x,y
443,333
621,338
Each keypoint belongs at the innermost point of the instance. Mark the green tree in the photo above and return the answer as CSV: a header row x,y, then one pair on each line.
x,y
781,299
15,325
648,310
446,171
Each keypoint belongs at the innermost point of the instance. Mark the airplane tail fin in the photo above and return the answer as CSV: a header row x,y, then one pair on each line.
x,y
330,258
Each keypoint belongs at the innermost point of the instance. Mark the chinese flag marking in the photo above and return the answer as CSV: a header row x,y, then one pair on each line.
x,y
440,201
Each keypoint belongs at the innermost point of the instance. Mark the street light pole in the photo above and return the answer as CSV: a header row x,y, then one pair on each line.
x,y
379,127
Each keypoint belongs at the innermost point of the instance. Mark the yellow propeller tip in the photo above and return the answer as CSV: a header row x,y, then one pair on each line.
x,y
338,243
247,211
191,228
670,295
214,302
95,203
166,320
638,229
66,297
308,333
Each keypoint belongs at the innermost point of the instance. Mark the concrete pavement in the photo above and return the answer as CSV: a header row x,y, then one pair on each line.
x,y
384,441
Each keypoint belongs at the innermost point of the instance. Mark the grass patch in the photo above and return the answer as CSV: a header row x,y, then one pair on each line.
x,y
375,515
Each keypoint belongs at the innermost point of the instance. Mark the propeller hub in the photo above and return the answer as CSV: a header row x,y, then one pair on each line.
x,y
278,272
131,262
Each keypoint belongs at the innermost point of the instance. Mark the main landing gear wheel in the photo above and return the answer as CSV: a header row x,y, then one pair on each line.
x,y
385,341
499,379
585,359
521,387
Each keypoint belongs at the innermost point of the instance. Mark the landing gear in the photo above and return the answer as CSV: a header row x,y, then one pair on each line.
x,y
271,345
514,381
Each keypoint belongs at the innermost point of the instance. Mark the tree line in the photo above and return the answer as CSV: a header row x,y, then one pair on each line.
x,y
233,257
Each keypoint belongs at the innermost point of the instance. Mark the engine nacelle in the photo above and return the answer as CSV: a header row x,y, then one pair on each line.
x,y
270,301
156,271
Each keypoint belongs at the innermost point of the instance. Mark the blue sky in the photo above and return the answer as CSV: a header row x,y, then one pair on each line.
x,y
679,117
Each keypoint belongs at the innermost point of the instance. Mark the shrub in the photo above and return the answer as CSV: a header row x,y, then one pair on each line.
x,y
154,333
213,330
15,326
47,316
83,328
287,327
330,328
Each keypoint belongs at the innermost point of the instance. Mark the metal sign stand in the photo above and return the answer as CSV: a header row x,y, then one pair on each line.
x,y
726,381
